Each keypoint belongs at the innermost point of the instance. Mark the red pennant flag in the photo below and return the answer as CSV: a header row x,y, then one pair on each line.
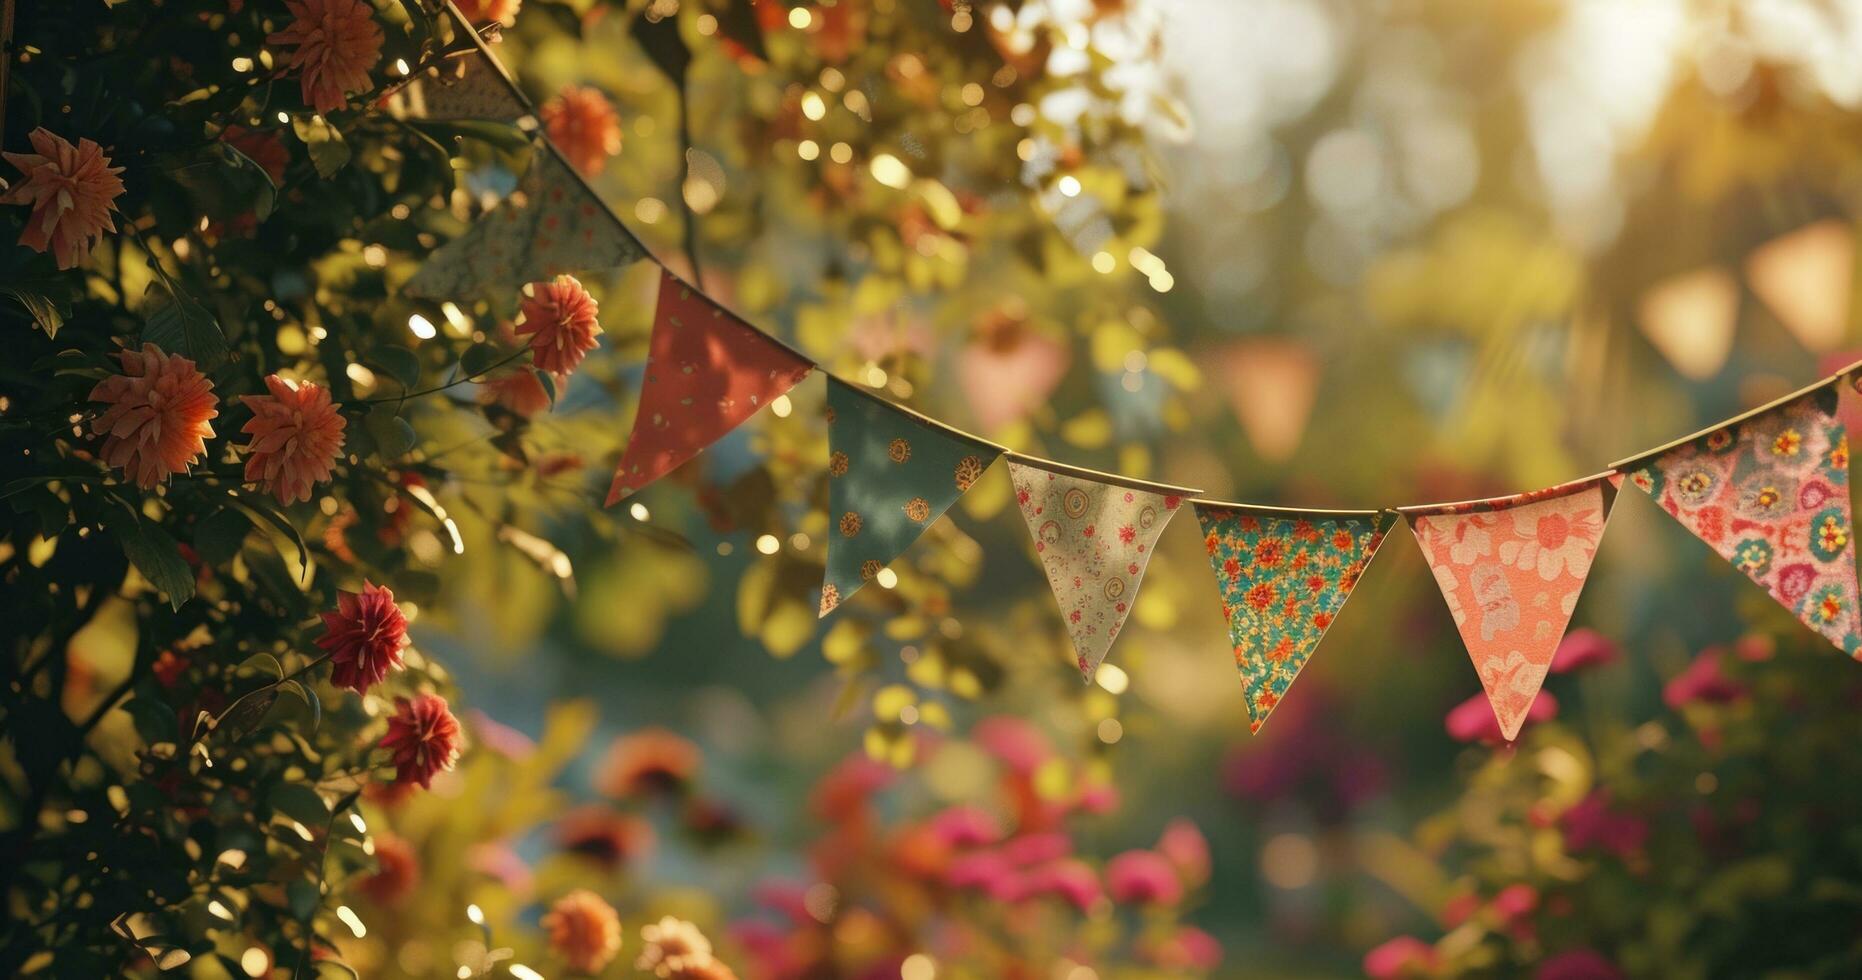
x,y
707,372
1511,569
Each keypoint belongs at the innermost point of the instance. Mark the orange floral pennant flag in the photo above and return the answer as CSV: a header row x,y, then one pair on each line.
x,y
1094,540
706,372
1511,569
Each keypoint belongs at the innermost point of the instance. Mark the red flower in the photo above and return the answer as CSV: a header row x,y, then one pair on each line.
x,y
1261,597
364,637
1127,534
584,125
1703,681
609,838
1583,648
559,316
423,738
71,190
336,43
156,424
1578,964
652,760
1404,956
491,11
1143,877
1590,824
397,871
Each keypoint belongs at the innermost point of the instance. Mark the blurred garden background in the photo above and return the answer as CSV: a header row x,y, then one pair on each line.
x,y
1299,252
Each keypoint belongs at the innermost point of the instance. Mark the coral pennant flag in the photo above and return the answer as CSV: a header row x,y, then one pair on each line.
x,y
1511,569
1284,576
890,474
1771,495
1094,540
706,372
553,223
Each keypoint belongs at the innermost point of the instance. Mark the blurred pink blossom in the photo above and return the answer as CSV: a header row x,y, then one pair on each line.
x,y
1590,824
1069,879
1187,850
1189,948
1577,964
1015,741
1099,798
1515,902
1404,956
1473,720
1702,682
966,826
1029,849
1143,877
1583,648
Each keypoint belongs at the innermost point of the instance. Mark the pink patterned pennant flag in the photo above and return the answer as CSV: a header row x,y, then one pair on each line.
x,y
1771,495
706,372
1094,539
1511,569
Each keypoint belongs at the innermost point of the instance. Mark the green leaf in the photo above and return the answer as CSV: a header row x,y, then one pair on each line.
x,y
45,310
158,557
328,152
311,701
260,510
265,660
548,381
393,436
302,897
301,803
478,359
244,714
220,535
399,363
497,135
221,182
183,326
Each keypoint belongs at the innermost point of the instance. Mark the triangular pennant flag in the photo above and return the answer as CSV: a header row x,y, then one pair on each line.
x,y
1771,495
553,223
1511,569
1284,576
890,474
1094,540
471,86
706,372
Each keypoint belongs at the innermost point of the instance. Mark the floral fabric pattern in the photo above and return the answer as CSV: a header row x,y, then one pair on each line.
x,y
890,476
552,224
1284,578
706,372
1771,495
471,87
1094,541
1511,571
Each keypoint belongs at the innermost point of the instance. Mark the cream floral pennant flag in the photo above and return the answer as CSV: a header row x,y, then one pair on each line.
x,y
890,475
552,223
1771,495
1094,540
471,86
1511,569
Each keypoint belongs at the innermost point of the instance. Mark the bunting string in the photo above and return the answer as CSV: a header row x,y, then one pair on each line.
x,y
1766,489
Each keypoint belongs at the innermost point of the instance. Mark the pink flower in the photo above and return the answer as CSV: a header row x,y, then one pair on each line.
x,y
1189,948
1187,850
502,738
1404,956
1590,825
1577,964
1068,879
1036,848
983,871
1143,877
966,826
157,420
1704,682
423,738
583,124
296,433
1515,902
1583,648
491,11
364,637
337,42
1099,798
559,317
71,190
1016,742
584,930
1473,720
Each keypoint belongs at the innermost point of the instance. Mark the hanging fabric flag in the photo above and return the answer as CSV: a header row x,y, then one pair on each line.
x,y
1770,494
890,474
553,223
1511,569
471,86
1284,576
1094,539
706,372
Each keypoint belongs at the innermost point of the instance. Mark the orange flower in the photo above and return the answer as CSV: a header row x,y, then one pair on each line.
x,y
649,760
296,433
584,930
71,190
337,43
559,318
520,391
676,950
608,838
156,422
423,736
584,125
364,637
489,11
